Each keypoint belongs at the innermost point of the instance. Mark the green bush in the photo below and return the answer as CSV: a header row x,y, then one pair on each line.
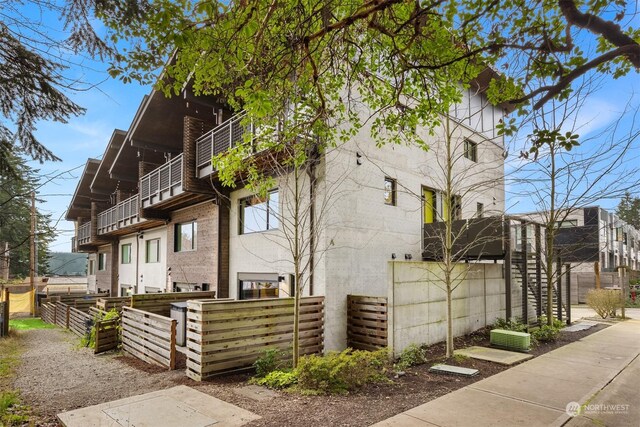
x,y
339,372
604,302
89,340
545,333
410,356
510,325
272,360
278,379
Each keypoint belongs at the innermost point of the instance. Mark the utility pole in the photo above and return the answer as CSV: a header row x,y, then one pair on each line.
x,y
32,257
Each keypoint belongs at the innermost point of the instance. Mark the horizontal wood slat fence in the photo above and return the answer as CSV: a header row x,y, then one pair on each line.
x,y
48,312
161,303
107,336
107,304
229,335
367,323
62,315
149,337
80,323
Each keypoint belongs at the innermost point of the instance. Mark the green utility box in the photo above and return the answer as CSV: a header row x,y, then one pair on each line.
x,y
510,340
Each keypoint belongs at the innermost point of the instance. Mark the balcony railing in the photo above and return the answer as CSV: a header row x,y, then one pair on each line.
x,y
219,140
119,216
84,233
161,183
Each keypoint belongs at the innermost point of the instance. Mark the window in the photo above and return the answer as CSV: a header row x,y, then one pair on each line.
x,y
92,267
479,210
102,261
152,251
185,237
471,150
259,285
436,209
567,223
259,213
125,254
390,191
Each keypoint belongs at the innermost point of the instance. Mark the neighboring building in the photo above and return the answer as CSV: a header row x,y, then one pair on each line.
x,y
592,234
153,217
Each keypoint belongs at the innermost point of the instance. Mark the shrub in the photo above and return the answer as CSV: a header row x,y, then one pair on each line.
x,y
510,325
272,360
410,356
89,340
546,333
278,379
339,372
604,301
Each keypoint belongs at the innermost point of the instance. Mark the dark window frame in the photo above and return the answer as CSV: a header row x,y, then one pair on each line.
x,y
393,190
122,253
147,244
471,150
270,212
102,261
177,236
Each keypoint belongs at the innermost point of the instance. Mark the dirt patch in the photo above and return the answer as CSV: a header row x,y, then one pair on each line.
x,y
57,376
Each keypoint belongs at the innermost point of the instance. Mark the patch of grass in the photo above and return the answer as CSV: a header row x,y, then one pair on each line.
x,y
29,324
12,413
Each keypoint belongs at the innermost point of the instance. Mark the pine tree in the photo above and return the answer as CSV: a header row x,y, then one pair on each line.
x,y
629,210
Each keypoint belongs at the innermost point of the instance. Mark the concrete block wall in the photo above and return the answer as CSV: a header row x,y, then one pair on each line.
x,y
417,301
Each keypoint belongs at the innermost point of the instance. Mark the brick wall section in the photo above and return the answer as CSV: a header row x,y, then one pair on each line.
x,y
199,266
223,251
104,277
193,129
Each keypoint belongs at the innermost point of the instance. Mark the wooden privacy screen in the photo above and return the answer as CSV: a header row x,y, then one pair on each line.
x,y
149,337
48,312
80,322
106,335
107,304
161,303
366,322
228,335
62,315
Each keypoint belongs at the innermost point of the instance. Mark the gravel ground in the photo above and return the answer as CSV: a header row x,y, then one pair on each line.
x,y
56,376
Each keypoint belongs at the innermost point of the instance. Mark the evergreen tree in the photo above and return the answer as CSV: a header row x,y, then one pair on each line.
x,y
629,210
15,217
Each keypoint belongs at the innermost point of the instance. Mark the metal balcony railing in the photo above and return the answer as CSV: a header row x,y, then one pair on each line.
x,y
84,233
119,216
218,140
161,183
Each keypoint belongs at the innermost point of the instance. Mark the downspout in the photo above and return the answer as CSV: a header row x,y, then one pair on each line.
x,y
137,261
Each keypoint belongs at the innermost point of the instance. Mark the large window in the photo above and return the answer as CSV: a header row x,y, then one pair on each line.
x,y
185,237
125,254
436,208
152,251
258,285
471,150
259,213
102,261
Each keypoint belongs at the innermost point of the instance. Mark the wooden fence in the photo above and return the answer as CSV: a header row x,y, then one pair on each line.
x,y
62,315
366,322
229,335
4,318
107,304
161,303
149,337
107,337
80,322
48,312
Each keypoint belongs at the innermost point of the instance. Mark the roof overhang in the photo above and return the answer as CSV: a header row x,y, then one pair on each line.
x,y
81,202
102,182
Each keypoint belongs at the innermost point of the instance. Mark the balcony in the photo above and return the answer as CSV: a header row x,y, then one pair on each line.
x,y
84,234
122,215
162,183
218,140
478,238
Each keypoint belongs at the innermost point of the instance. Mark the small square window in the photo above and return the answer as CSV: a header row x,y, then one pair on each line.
x,y
390,191
125,254
471,150
152,251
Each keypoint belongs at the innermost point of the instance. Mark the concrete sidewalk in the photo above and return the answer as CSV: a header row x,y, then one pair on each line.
x,y
601,370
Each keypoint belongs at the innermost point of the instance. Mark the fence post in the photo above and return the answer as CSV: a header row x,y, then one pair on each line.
x,y
172,354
